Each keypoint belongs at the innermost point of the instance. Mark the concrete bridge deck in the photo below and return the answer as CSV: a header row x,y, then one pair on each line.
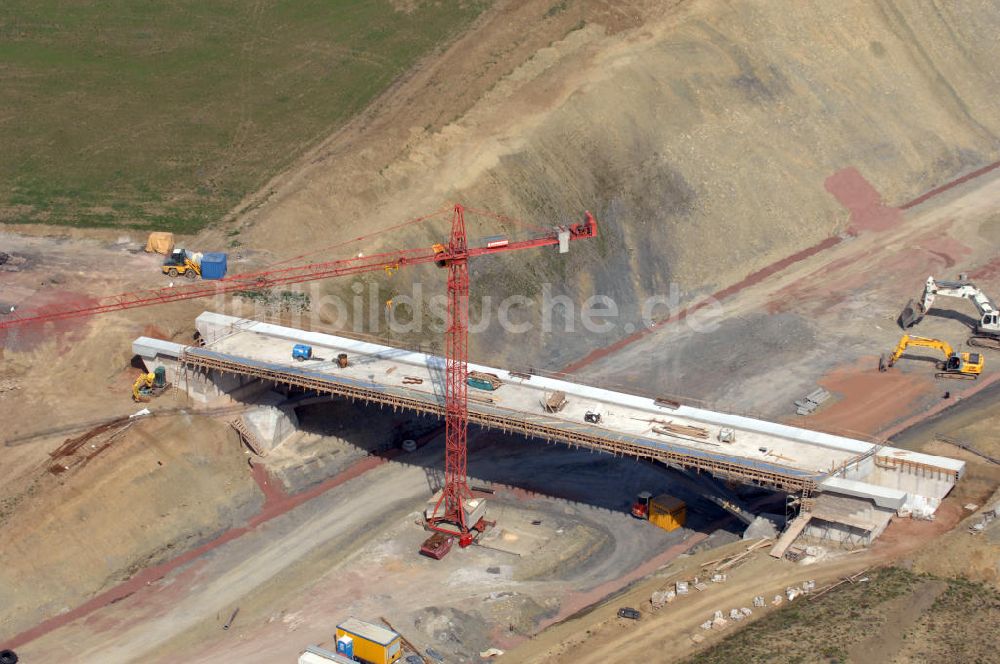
x,y
765,453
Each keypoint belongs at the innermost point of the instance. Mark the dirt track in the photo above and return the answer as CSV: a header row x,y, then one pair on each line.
x,y
350,551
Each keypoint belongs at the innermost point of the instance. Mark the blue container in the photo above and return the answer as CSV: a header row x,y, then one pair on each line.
x,y
213,266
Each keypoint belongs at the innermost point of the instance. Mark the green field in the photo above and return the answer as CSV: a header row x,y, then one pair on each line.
x,y
165,114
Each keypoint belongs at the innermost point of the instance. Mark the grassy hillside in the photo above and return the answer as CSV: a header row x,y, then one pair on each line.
x,y
165,114
897,616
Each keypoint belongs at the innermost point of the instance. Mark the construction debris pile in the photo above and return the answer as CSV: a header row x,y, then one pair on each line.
x,y
716,574
681,588
985,519
812,401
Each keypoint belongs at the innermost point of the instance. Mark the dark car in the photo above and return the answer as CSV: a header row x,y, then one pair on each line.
x,y
628,612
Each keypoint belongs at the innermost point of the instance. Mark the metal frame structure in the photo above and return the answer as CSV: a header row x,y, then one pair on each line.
x,y
264,279
769,475
456,487
923,469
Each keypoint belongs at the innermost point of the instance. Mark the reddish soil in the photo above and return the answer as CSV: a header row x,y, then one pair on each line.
x,y
834,283
941,405
946,248
869,399
904,535
66,333
868,212
950,185
154,332
990,270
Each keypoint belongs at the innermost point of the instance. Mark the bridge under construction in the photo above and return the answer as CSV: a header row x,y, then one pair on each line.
x,y
850,487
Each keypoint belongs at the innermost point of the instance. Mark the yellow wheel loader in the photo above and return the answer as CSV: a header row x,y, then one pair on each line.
x,y
177,263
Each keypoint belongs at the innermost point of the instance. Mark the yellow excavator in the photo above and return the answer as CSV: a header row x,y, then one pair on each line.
x,y
149,385
962,366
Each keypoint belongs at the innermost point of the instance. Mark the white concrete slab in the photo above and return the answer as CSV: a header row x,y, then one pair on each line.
x,y
758,443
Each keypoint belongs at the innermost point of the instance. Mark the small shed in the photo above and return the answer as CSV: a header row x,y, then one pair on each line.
x,y
667,512
365,641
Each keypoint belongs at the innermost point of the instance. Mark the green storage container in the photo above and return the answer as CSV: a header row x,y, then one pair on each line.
x,y
480,384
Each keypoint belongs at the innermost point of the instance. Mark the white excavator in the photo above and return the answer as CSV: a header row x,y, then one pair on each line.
x,y
987,330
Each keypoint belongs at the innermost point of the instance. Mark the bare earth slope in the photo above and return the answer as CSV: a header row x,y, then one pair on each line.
x,y
702,139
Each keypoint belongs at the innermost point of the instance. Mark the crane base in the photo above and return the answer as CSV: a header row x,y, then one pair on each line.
x,y
436,546
475,509
440,542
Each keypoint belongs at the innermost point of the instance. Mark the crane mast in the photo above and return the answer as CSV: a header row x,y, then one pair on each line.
x,y
456,487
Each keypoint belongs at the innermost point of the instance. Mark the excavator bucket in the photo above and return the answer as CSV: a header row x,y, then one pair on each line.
x,y
910,315
883,363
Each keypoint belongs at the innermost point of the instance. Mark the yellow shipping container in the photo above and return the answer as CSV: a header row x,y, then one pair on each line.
x,y
667,512
371,643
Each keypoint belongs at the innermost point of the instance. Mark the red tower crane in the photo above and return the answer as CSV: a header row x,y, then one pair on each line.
x,y
454,257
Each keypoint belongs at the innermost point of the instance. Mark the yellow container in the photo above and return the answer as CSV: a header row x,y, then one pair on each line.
x,y
372,643
667,512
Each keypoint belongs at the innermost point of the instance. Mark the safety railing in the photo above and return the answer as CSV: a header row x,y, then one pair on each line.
x,y
510,422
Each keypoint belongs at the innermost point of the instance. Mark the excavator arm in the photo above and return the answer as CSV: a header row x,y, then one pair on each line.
x,y
923,342
956,365
989,315
145,380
